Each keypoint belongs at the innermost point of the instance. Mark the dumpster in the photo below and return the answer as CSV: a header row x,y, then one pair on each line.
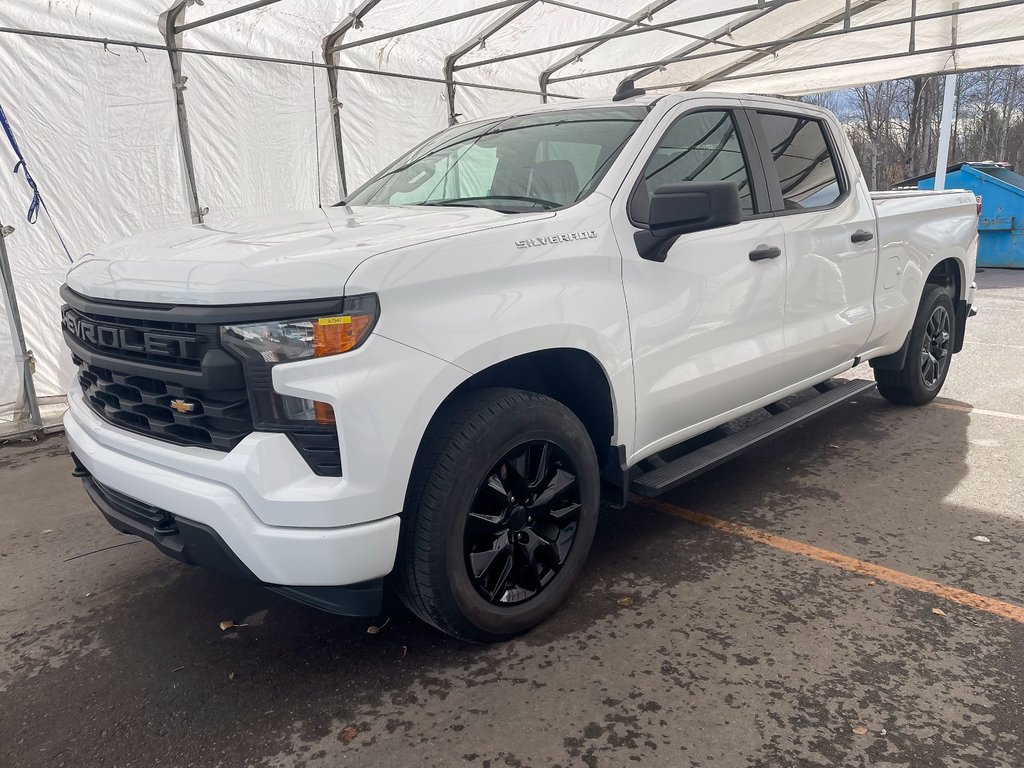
x,y
1001,227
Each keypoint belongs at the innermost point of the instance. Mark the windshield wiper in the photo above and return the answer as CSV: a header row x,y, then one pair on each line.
x,y
468,202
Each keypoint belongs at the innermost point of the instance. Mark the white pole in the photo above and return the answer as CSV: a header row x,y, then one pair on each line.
x,y
945,130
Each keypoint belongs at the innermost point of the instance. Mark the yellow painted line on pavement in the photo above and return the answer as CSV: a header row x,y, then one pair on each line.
x,y
962,597
979,411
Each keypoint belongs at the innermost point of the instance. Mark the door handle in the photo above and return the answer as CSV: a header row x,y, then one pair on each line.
x,y
763,252
862,236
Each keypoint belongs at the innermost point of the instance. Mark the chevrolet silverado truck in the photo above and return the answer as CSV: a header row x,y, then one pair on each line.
x,y
437,383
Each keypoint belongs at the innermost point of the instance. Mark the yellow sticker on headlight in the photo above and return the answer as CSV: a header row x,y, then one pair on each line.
x,y
335,320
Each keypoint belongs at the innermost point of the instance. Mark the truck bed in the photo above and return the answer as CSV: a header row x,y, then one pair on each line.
x,y
916,229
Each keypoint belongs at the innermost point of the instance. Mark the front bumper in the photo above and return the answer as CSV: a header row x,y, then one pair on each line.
x,y
198,544
273,555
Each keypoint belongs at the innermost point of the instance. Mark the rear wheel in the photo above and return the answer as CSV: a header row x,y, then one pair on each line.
x,y
928,356
500,516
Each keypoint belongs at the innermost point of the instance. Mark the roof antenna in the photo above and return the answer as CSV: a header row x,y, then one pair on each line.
x,y
627,89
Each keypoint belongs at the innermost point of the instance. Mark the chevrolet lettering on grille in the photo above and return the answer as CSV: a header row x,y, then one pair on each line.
x,y
103,336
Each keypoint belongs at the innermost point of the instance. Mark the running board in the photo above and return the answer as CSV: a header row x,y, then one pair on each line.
x,y
665,478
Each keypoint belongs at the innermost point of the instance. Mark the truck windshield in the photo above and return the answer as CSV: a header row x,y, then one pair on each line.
x,y
512,165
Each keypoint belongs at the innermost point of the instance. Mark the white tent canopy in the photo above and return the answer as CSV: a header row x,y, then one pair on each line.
x,y
100,127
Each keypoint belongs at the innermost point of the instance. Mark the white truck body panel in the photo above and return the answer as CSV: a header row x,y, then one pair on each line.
x,y
912,238
685,344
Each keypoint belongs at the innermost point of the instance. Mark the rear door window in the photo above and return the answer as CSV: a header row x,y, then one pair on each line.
x,y
806,165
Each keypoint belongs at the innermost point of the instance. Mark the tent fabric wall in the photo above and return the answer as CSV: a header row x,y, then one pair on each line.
x,y
98,124
102,146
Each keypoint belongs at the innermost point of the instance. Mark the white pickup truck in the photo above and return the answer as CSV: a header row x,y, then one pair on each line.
x,y
440,379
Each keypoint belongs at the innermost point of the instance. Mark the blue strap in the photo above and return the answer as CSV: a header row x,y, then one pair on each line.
x,y
33,209
37,198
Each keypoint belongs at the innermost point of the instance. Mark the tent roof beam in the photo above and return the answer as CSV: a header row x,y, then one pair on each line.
x,y
636,20
662,26
224,15
820,25
723,31
353,20
583,50
796,39
429,24
951,48
142,45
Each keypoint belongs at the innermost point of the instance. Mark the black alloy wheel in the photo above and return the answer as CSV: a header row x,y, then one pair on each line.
x,y
500,514
935,349
929,352
522,523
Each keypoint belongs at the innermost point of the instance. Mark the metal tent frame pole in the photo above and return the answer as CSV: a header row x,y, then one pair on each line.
x,y
659,27
167,23
141,45
761,46
453,58
843,62
428,24
22,355
331,41
808,29
714,37
224,15
172,33
583,50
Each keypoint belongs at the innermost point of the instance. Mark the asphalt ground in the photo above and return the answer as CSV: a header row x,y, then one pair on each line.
x,y
819,601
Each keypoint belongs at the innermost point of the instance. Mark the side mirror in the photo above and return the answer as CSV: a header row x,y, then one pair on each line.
x,y
689,206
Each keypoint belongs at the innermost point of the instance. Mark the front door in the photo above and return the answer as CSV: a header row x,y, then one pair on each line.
x,y
705,324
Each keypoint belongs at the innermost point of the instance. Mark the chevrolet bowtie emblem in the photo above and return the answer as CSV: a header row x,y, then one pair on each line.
x,y
182,406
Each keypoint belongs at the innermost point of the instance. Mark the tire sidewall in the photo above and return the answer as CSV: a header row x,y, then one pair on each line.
x,y
540,420
935,297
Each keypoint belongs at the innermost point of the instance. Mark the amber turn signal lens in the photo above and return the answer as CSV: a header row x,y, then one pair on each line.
x,y
334,335
324,413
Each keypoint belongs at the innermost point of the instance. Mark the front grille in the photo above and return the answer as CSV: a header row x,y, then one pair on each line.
x,y
165,343
159,370
141,404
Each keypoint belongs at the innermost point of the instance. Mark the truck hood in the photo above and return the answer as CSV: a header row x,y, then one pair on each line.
x,y
281,257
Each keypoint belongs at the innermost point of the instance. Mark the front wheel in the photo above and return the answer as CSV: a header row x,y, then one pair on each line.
x,y
928,356
500,515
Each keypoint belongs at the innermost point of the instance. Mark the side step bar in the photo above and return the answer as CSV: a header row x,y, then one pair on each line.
x,y
666,477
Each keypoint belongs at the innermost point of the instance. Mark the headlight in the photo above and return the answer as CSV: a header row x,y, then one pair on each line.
x,y
263,345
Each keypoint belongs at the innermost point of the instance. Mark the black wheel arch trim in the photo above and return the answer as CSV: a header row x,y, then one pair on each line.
x,y
962,310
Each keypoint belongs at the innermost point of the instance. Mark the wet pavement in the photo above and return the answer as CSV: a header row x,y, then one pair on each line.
x,y
683,645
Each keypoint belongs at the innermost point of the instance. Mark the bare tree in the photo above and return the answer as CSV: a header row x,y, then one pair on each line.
x,y
894,126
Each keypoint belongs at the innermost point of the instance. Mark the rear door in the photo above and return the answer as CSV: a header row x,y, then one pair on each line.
x,y
705,324
831,239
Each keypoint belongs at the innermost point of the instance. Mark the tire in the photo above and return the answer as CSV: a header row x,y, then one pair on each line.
x,y
929,352
464,528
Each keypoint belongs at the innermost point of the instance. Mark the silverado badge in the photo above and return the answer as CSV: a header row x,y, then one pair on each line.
x,y
567,237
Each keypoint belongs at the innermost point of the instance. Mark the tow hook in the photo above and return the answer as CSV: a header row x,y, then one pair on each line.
x,y
79,471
